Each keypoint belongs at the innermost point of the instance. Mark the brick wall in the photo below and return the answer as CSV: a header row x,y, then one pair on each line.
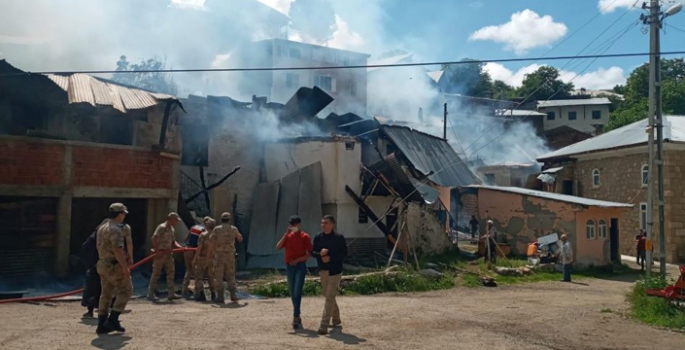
x,y
106,167
41,163
25,163
621,182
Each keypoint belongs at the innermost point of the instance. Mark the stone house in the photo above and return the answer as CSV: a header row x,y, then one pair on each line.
x,y
614,167
507,173
522,215
72,145
588,115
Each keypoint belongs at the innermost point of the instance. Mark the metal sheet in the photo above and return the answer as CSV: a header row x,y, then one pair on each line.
x,y
261,240
428,153
309,203
629,135
556,197
287,201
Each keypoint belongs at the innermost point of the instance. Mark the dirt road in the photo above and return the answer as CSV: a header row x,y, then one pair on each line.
x,y
531,317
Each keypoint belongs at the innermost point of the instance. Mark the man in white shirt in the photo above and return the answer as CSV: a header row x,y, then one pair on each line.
x,y
566,257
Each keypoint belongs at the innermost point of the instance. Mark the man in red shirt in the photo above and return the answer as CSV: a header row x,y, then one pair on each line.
x,y
298,248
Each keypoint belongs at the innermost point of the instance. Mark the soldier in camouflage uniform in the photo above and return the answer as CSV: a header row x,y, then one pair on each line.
x,y
164,241
222,248
113,270
203,263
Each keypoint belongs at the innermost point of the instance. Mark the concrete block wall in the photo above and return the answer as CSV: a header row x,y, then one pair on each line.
x,y
621,181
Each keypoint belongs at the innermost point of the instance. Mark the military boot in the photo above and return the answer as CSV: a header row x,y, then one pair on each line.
x,y
200,296
113,322
213,296
102,327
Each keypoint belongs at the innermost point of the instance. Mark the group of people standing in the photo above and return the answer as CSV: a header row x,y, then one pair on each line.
x,y
329,249
109,256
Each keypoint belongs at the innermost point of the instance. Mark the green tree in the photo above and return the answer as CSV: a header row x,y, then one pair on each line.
x,y
468,79
544,84
502,91
314,19
141,78
619,89
636,104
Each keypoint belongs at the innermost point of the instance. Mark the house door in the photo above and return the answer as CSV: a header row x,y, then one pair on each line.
x,y
613,240
568,187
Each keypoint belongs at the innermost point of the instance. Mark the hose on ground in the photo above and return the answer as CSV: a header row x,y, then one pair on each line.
x,y
73,292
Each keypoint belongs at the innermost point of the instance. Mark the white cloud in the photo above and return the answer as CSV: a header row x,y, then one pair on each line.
x,y
344,38
607,6
525,30
600,79
282,6
500,72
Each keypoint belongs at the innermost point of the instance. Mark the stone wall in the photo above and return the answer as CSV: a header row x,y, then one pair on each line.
x,y
428,236
621,181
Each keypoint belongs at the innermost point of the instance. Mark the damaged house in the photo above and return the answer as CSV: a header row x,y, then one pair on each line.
x,y
292,162
72,145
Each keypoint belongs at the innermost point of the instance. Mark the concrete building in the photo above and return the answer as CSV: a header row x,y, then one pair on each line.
x,y
589,115
522,215
614,167
346,86
72,145
507,173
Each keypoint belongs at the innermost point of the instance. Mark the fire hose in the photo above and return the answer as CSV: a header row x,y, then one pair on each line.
x,y
73,292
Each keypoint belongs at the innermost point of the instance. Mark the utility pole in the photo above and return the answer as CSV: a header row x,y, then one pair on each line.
x,y
656,120
444,125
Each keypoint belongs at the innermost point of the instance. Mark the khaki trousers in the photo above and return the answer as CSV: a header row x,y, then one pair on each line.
x,y
224,269
166,263
204,267
190,270
114,284
330,285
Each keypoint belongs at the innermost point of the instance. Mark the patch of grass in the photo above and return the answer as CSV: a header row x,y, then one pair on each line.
x,y
280,290
405,281
471,281
451,257
653,310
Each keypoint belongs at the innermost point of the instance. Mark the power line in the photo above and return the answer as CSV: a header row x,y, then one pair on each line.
x,y
676,28
261,69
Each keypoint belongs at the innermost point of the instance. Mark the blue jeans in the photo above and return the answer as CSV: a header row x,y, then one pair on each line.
x,y
295,284
567,272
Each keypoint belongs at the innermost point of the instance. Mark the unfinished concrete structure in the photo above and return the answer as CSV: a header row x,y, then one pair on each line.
x,y
73,144
522,215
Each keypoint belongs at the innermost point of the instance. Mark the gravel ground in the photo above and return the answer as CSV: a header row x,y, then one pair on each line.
x,y
585,315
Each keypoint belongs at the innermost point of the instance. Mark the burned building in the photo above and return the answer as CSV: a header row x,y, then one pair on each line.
x,y
72,144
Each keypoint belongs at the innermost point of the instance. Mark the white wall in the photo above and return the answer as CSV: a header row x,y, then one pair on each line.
x,y
348,218
584,119
341,166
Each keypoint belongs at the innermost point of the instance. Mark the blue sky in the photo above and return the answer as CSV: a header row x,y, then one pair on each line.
x,y
439,30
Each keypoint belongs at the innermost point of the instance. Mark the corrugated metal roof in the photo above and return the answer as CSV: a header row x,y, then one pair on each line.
x,y
556,197
436,75
389,60
553,170
428,153
576,102
82,88
629,135
519,113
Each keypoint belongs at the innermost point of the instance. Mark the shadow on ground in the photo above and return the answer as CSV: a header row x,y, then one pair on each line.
x,y
110,341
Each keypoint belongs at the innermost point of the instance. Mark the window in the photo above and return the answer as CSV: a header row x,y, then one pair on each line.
x,y
292,80
362,217
602,228
295,52
353,88
645,175
550,116
572,115
325,82
596,114
643,216
595,178
490,179
590,229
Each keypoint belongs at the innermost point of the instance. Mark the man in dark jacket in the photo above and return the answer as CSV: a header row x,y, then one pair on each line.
x,y
92,288
330,249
